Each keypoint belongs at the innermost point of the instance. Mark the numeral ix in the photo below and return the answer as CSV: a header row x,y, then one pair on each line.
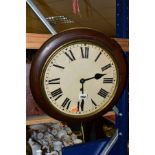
x,y
54,81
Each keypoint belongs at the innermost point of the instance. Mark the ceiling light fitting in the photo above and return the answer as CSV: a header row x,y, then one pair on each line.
x,y
59,20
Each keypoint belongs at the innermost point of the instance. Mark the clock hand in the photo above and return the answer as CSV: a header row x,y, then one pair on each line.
x,y
82,81
97,76
81,102
82,88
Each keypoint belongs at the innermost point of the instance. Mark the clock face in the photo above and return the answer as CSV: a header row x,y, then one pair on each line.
x,y
80,78
78,75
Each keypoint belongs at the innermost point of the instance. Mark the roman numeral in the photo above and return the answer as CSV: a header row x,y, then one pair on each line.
x,y
106,67
59,66
103,93
57,93
54,81
81,105
108,80
70,55
98,56
93,102
66,103
85,52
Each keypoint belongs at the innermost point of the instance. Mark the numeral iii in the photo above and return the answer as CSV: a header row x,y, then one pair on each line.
x,y
108,80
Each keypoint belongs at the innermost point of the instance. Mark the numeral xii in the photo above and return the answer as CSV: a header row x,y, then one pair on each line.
x,y
85,52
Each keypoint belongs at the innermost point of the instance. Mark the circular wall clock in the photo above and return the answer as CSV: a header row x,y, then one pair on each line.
x,y
78,75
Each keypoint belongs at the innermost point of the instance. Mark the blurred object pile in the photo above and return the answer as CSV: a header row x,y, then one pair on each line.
x,y
49,139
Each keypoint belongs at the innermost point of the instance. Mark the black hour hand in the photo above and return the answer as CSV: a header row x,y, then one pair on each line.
x,y
98,76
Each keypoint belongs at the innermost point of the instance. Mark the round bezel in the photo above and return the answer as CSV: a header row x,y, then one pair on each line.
x,y
52,47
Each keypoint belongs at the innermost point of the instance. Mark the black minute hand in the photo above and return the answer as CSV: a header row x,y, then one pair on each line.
x,y
97,76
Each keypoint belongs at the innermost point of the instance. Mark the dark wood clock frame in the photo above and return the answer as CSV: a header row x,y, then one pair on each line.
x,y
60,39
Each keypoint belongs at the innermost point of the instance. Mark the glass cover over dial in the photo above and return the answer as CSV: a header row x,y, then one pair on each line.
x,y
80,78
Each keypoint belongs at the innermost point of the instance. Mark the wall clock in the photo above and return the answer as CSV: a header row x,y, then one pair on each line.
x,y
78,75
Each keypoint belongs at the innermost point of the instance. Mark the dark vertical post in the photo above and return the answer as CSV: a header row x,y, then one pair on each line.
x,y
122,118
122,18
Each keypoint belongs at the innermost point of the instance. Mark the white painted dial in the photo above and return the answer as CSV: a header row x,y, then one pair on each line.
x,y
80,78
